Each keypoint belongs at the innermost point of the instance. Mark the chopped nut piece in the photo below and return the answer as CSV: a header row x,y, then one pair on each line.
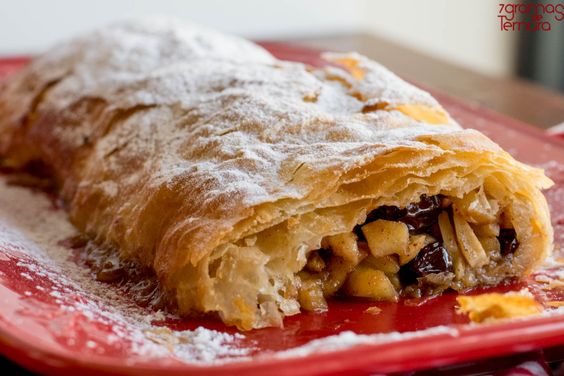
x,y
476,208
386,237
494,306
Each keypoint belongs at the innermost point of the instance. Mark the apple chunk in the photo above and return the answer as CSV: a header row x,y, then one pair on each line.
x,y
386,237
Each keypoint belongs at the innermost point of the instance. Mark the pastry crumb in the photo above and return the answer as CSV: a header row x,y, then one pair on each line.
x,y
373,310
495,306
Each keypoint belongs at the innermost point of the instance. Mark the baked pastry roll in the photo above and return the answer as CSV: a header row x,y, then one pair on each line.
x,y
255,187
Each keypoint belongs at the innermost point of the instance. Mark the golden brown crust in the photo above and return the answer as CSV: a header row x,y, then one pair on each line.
x,y
179,156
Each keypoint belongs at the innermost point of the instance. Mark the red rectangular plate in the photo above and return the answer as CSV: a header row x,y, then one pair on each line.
x,y
40,331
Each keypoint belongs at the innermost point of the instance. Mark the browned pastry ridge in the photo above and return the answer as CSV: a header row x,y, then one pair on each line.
x,y
254,187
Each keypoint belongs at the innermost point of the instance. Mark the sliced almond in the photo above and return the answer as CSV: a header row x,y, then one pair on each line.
x,y
468,242
476,208
449,241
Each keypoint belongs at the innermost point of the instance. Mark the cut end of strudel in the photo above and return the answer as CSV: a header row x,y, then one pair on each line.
x,y
255,188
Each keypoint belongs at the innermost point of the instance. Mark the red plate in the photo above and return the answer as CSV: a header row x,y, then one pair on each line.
x,y
51,325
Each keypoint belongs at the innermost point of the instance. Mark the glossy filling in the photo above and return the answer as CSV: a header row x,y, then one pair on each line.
x,y
412,251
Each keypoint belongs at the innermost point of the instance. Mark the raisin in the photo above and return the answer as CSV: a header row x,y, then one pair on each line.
x,y
419,217
507,241
416,216
388,213
433,258
422,215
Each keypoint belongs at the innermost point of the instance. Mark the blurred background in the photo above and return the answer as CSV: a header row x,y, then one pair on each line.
x,y
453,45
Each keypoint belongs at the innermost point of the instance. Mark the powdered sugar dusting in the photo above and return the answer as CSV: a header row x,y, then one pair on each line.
x,y
348,339
30,229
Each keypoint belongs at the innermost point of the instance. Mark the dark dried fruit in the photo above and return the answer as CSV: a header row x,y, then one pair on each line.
x,y
507,241
388,213
423,214
417,216
433,258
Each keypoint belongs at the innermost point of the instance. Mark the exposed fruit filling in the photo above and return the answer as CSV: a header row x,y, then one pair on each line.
x,y
420,249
